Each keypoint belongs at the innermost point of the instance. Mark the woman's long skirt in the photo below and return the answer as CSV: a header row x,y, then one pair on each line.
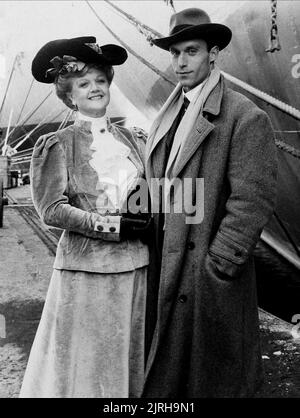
x,y
90,340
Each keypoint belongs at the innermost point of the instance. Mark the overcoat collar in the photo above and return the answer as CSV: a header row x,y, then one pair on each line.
x,y
213,102
199,132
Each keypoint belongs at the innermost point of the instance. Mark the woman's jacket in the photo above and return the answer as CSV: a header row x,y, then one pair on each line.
x,y
64,190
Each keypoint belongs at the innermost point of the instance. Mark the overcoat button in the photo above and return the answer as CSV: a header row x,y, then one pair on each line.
x,y
191,245
100,228
238,253
182,298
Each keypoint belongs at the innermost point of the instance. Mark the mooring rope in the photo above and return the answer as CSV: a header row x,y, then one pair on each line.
x,y
292,111
25,101
30,114
287,148
17,57
39,128
66,119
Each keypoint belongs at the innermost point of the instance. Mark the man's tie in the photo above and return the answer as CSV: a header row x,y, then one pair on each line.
x,y
181,113
186,102
168,142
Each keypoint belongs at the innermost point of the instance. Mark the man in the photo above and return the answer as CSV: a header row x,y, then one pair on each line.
x,y
202,322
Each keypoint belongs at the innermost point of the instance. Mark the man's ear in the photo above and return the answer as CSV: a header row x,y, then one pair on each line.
x,y
213,54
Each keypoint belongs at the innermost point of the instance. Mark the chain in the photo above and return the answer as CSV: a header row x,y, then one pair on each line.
x,y
274,42
149,36
171,3
145,30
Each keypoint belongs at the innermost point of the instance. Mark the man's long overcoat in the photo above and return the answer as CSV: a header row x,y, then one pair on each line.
x,y
202,308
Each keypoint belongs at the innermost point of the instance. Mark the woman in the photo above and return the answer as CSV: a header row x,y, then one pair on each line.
x,y
90,340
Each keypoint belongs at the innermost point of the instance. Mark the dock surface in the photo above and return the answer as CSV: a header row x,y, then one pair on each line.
x,y
26,260
25,269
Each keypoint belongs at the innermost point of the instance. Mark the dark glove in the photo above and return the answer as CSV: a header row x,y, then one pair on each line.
x,y
139,227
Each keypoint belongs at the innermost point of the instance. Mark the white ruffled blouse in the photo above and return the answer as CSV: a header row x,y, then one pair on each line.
x,y
116,173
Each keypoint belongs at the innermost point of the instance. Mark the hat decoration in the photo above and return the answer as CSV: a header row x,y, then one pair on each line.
x,y
64,65
95,47
69,64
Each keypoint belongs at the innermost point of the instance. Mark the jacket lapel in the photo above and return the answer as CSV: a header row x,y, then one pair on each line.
x,y
134,155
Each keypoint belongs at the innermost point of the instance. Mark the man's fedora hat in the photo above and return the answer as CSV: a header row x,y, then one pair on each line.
x,y
194,23
62,54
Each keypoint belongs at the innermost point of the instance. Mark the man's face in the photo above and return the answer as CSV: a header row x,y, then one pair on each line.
x,y
191,62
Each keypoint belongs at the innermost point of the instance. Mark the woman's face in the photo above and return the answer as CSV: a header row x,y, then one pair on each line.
x,y
91,93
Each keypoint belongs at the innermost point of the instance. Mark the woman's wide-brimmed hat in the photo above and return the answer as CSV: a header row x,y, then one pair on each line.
x,y
65,55
194,23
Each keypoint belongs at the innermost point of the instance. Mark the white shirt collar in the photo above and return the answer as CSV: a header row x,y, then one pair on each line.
x,y
96,122
191,94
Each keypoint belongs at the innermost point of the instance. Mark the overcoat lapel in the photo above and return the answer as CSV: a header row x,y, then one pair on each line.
x,y
193,142
201,130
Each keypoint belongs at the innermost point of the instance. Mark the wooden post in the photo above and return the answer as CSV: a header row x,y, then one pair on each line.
x,y
4,171
1,203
